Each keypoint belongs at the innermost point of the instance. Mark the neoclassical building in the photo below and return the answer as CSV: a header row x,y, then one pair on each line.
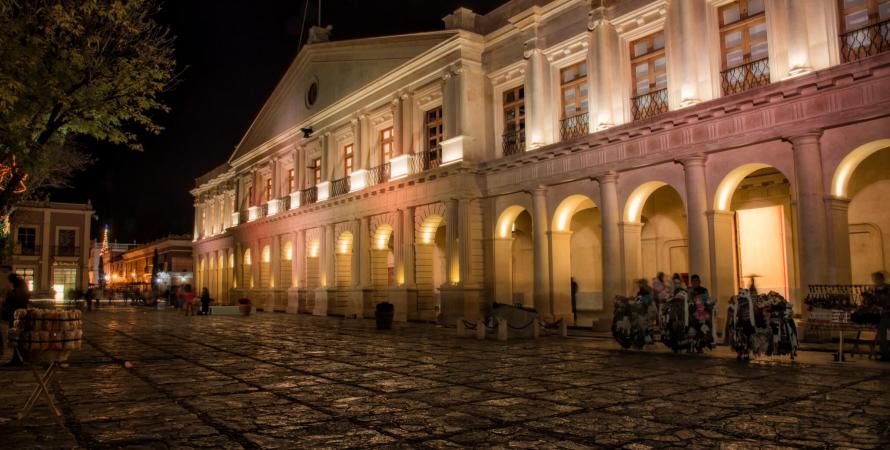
x,y
558,141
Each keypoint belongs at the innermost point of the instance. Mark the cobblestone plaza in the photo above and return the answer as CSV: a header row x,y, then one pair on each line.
x,y
297,381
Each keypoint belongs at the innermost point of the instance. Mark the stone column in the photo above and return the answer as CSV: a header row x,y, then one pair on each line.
x,y
631,253
365,132
357,143
812,229
364,249
605,98
256,260
274,169
841,269
329,254
197,228
299,259
238,267
451,105
465,239
396,107
408,248
539,123
275,263
406,146
611,248
541,228
696,219
798,41
452,252
327,154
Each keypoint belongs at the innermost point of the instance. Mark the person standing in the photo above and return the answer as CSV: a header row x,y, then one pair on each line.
x,y
188,300
17,298
205,301
882,297
89,297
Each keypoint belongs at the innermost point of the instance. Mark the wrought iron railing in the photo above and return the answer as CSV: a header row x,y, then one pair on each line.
x,y
574,126
864,42
29,250
513,142
378,174
340,186
66,250
744,77
426,160
649,104
309,195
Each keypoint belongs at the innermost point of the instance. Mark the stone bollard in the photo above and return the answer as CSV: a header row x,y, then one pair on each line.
x,y
564,328
480,330
536,329
502,330
460,327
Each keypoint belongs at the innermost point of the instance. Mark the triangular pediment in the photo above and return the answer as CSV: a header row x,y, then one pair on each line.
x,y
337,69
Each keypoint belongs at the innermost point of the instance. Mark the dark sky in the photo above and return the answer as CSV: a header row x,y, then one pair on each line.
x,y
231,53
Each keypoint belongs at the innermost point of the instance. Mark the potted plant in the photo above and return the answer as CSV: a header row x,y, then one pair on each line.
x,y
384,313
244,306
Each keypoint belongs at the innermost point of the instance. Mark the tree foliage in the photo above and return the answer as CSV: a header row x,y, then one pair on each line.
x,y
73,69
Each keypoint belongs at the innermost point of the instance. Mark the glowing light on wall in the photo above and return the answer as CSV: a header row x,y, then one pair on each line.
x,y
324,190
507,221
313,248
246,259
731,181
849,164
428,229
381,237
567,208
288,251
344,243
634,206
267,254
399,167
358,180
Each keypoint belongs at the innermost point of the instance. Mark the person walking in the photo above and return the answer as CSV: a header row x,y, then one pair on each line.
x,y
205,301
188,300
881,292
89,297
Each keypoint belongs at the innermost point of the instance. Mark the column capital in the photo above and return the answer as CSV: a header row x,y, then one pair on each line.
x,y
697,160
837,203
406,95
804,137
540,190
607,177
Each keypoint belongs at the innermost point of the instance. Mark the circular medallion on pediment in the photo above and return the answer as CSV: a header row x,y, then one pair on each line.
x,y
312,93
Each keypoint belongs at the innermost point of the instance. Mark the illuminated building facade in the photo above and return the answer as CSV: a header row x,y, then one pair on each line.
x,y
50,246
547,141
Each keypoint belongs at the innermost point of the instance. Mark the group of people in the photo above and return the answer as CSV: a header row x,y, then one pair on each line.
x,y
186,300
680,316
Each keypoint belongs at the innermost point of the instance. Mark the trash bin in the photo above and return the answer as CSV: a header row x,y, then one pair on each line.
x,y
384,314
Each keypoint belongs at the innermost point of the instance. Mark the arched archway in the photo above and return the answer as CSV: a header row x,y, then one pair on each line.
x,y
862,183
655,232
285,267
266,267
430,265
311,274
342,273
246,273
754,229
514,257
383,274
576,261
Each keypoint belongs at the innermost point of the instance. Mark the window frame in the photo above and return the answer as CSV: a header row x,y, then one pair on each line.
x,y
348,159
18,234
291,180
385,144
872,8
316,171
649,57
437,125
575,83
267,189
517,106
743,25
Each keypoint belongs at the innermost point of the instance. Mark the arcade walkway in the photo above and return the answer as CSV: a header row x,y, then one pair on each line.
x,y
288,381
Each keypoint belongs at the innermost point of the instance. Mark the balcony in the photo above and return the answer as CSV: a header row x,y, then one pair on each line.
x,y
747,76
25,250
426,160
574,126
649,105
379,174
309,195
66,250
340,187
865,42
513,142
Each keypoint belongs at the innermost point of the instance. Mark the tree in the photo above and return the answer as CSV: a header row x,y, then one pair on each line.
x,y
73,70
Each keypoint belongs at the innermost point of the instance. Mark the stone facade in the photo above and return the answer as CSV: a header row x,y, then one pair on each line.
x,y
772,168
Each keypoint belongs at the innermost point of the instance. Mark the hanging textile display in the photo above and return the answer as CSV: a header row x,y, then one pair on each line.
x,y
631,324
762,325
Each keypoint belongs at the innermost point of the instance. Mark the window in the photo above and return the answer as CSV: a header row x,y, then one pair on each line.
x,y
648,66
316,171
514,120
865,30
386,140
268,189
573,89
26,240
573,95
434,135
347,160
27,275
291,181
744,46
250,195
67,243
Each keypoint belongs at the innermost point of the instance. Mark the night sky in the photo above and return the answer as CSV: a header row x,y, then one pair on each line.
x,y
231,54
